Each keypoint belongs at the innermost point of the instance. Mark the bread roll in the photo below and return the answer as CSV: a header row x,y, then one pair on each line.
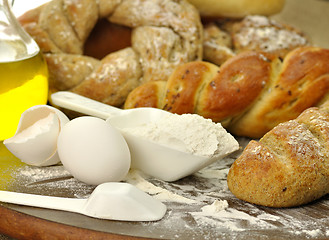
x,y
289,166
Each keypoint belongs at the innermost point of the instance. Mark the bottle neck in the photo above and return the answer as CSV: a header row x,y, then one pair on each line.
x,y
8,22
15,43
4,9
7,2
2,3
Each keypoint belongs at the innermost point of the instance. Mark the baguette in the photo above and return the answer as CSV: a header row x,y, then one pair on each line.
x,y
288,166
249,94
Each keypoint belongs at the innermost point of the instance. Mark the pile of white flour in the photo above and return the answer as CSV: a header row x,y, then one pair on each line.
x,y
188,133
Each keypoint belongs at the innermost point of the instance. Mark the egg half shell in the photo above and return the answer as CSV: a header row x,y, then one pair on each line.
x,y
93,151
35,141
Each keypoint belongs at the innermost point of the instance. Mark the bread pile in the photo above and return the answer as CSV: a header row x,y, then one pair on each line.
x,y
259,78
162,35
256,74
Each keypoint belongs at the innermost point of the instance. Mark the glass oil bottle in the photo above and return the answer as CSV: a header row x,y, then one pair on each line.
x,y
23,72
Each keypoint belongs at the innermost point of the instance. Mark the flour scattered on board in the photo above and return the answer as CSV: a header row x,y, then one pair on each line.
x,y
200,204
216,207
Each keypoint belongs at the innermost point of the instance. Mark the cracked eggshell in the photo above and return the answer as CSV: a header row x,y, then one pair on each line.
x,y
35,141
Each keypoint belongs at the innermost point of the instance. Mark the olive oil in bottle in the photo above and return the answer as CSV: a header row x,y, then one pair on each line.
x,y
23,84
23,72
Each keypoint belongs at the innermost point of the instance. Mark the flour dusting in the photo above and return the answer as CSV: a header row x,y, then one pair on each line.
x,y
215,207
199,206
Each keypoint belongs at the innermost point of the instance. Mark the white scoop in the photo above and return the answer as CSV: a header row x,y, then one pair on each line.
x,y
112,201
154,159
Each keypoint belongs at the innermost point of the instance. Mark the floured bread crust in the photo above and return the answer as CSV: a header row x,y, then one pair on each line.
x,y
288,166
164,35
226,38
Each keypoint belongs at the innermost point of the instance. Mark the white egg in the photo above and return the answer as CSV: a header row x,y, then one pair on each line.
x,y
93,151
35,141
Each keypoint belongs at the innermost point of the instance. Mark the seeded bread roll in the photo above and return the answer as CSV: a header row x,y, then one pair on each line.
x,y
289,166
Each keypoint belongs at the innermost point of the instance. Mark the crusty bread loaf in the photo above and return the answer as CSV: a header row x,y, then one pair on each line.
x,y
237,8
289,166
249,94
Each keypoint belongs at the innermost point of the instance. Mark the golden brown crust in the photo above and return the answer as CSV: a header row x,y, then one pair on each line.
x,y
251,177
301,82
185,84
149,94
251,92
63,27
288,166
195,87
235,88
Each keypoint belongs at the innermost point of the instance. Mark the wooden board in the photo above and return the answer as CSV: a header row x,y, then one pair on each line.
x,y
187,216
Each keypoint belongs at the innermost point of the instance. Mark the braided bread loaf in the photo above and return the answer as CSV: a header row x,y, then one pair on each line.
x,y
164,35
289,166
249,94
